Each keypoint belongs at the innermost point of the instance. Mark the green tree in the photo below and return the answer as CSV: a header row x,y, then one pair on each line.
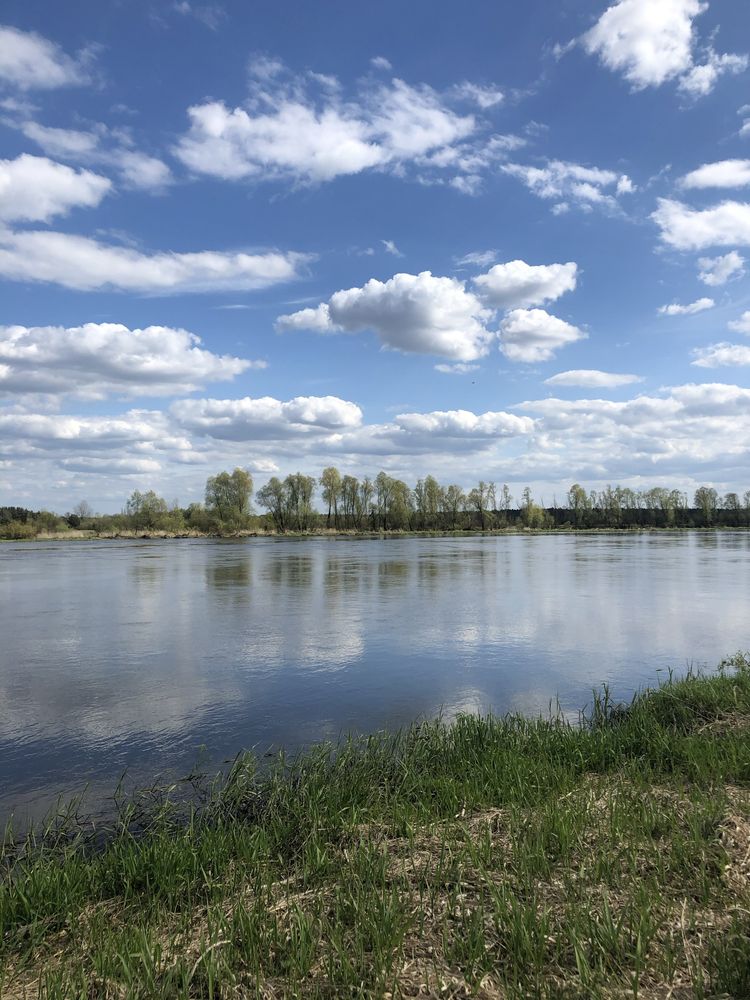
x,y
706,500
330,481
454,501
145,511
272,496
228,498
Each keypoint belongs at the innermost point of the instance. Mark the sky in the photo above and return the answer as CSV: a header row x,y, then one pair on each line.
x,y
500,241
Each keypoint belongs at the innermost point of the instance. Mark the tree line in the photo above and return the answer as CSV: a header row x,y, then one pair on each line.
x,y
385,503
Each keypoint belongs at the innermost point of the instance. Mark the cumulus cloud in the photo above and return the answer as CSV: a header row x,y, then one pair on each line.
x,y
675,309
464,424
652,43
420,314
32,62
266,418
741,325
508,286
592,378
686,228
46,432
722,355
680,432
380,62
566,182
85,265
35,189
291,133
100,359
532,335
715,271
101,146
723,174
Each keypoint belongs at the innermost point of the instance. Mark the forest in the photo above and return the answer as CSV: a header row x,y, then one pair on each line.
x,y
336,502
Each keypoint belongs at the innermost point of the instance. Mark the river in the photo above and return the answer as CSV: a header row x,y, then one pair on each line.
x,y
146,657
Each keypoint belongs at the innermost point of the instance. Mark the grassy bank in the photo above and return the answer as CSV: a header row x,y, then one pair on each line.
x,y
489,858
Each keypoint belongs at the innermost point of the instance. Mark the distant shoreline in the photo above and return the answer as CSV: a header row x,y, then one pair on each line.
x,y
333,534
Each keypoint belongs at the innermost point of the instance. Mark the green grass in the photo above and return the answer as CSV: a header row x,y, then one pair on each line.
x,y
490,857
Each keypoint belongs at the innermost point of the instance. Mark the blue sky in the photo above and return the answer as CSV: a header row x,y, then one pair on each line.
x,y
508,243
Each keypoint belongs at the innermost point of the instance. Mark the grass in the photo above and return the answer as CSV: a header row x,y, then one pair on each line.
x,y
491,858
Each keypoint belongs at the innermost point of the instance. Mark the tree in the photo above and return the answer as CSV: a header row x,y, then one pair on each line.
x,y
299,490
330,480
454,500
145,510
349,495
228,497
477,500
83,510
579,504
272,496
706,500
364,504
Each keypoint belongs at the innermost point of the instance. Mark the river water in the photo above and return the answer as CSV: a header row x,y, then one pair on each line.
x,y
150,656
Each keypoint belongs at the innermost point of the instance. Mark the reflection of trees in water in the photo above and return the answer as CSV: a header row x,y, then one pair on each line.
x,y
229,574
289,571
393,572
342,576
147,572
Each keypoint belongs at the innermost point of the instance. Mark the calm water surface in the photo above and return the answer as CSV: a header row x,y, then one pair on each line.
x,y
147,656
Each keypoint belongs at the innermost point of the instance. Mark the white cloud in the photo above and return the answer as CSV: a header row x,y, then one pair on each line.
x,y
532,335
63,142
723,174
591,378
100,359
648,42
652,42
420,314
210,14
688,431
391,248
687,228
31,62
380,62
85,264
478,258
35,189
741,325
701,79
715,271
457,368
137,169
266,418
288,133
47,432
560,180
464,424
675,309
517,283
484,97
721,356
